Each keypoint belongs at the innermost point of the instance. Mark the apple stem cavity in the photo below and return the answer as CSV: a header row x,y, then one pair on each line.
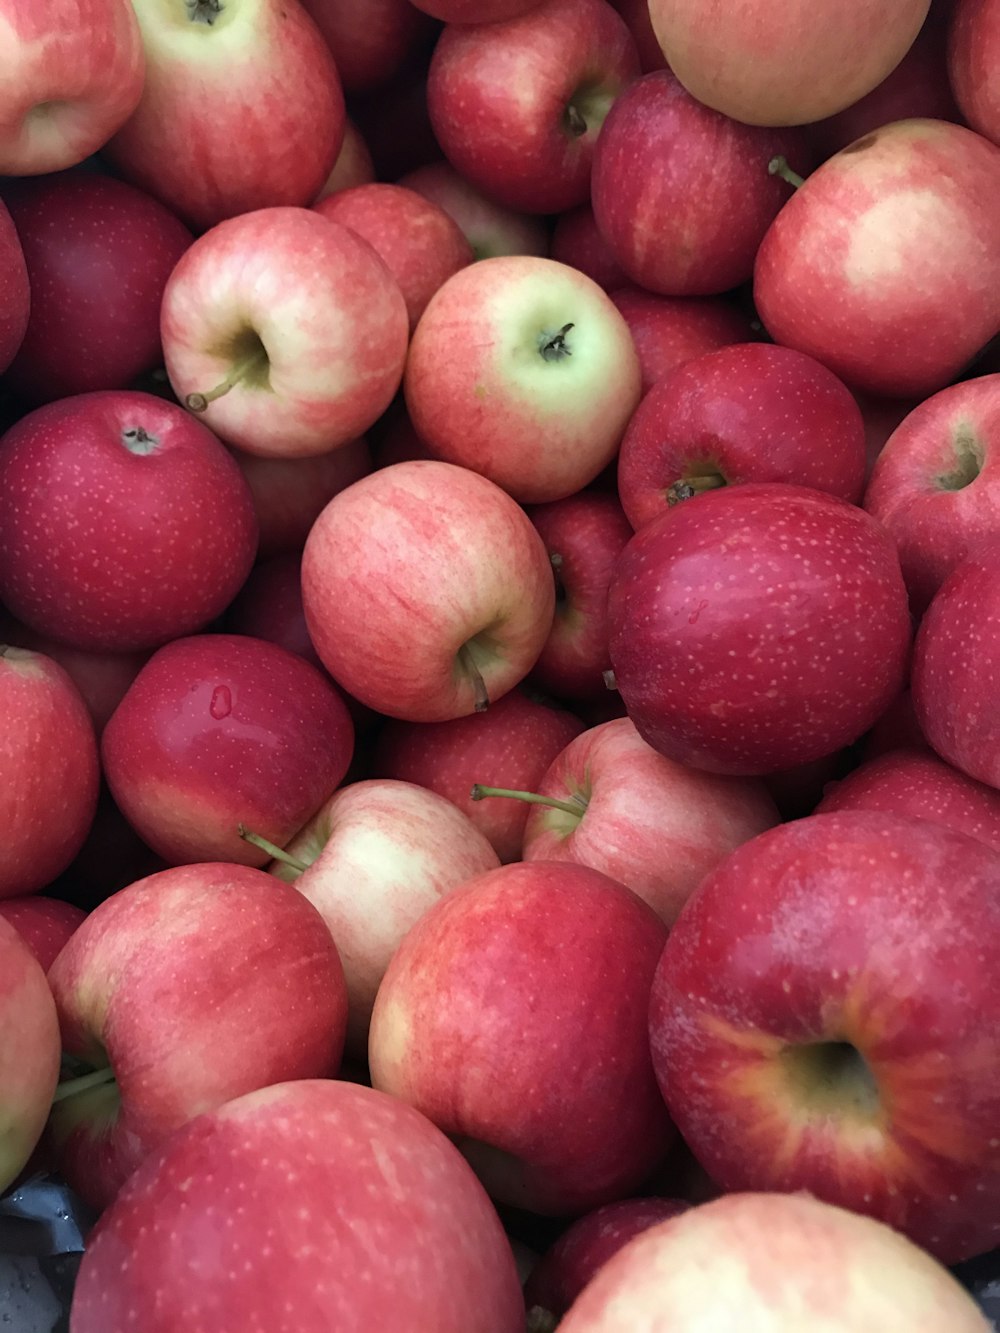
x,y
688,487
553,346
71,1086
541,1320
272,849
468,665
138,442
778,166
576,122
574,806
968,460
243,370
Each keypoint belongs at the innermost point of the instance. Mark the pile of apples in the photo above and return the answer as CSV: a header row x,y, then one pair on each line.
x,y
499,719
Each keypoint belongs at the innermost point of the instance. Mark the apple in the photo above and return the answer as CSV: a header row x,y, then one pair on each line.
x,y
394,439
577,242
682,194
29,1052
285,331
749,412
758,627
896,729
826,1017
274,137
791,65
517,350
219,730
936,483
123,522
354,165
955,652
513,742
371,40
112,856
972,43
885,263
528,140
411,1229
45,924
882,416
51,771
72,76
396,124
773,1262
420,244
490,228
427,592
186,989
476,11
513,1015
636,15
669,330
15,294
269,606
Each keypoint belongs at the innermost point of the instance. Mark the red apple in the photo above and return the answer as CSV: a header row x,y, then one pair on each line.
x,y
750,412
269,606
476,11
286,331
896,729
15,294
396,124
112,857
882,416
354,165
577,242
427,592
371,40
489,227
528,140
219,730
513,1015
973,44
669,330
758,627
826,1017
45,924
411,1229
636,15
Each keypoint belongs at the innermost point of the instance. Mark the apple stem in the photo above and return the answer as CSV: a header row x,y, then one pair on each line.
x,y
541,1320
198,402
573,807
778,166
688,487
468,664
272,849
609,680
71,1086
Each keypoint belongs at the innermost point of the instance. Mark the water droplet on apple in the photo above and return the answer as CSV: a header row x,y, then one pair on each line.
x,y
222,702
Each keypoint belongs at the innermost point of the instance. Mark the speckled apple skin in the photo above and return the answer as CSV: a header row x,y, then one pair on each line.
x,y
45,924
15,295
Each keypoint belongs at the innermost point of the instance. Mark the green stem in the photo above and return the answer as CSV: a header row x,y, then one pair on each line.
x,y
573,807
71,1086
272,849
686,488
778,166
198,402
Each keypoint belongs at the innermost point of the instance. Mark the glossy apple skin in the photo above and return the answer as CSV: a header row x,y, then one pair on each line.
x,y
371,40
489,227
669,330
936,483
577,242
283,102
750,412
510,745
15,294
955,650
29,1052
770,960
431,1245
512,137
219,730
674,228
410,565
84,62
973,43
99,253
758,627
885,265
757,1257
766,67
648,822
477,1023
123,522
49,758
45,924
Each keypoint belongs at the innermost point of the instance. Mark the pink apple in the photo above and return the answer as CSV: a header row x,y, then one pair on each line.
x,y
513,351
489,227
45,924
72,75
750,412
411,1231
219,730
788,66
427,592
476,11
973,41
286,331
885,263
758,627
513,1015
674,226
50,767
15,295
274,137
354,165
123,522
371,40
577,242
773,1262
850,1049
513,743
269,606
669,330
529,141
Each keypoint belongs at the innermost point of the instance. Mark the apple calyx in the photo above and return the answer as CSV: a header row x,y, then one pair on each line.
x,y
553,346
139,442
204,11
82,1083
250,367
686,488
778,166
541,1320
575,806
968,460
272,849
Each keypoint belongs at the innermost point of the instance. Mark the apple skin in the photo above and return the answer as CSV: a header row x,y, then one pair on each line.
x,y
674,228
490,228
219,730
669,330
49,758
750,412
955,650
763,66
354,165
803,1044
15,293
513,1015
476,11
99,253
83,63
577,242
973,44
269,606
529,142
869,266
431,1244
196,985
636,15
510,745
777,1262
371,40
29,1053
415,569
45,924
649,823
896,729
493,368
936,484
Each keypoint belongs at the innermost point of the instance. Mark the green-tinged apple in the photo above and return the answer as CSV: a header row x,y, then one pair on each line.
x,y
354,165
490,228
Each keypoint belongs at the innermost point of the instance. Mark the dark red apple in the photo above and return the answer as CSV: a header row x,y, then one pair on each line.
x,y
45,924
269,606
669,330
371,40
577,242
15,297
